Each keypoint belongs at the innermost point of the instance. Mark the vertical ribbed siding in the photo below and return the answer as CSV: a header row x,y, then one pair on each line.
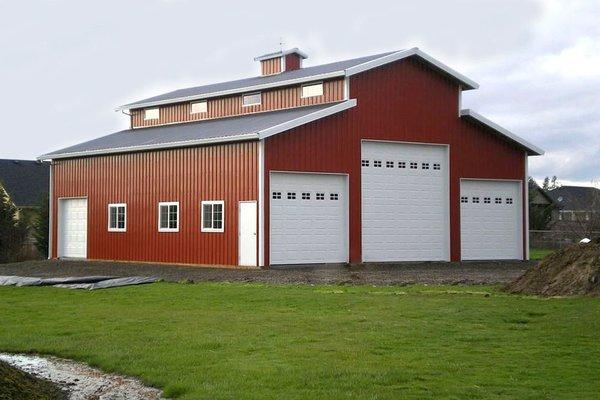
x,y
142,180
403,101
292,62
271,66
288,97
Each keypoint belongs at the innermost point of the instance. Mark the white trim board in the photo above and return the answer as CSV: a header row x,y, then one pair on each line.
x,y
531,148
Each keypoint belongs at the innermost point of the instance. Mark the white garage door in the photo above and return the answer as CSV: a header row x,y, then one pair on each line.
x,y
404,202
491,220
72,228
308,218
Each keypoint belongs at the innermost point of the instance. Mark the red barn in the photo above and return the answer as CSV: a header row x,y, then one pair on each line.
x,y
369,159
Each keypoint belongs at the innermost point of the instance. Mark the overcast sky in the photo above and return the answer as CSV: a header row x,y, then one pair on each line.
x,y
65,65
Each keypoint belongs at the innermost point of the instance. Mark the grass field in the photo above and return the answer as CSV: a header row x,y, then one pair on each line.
x,y
236,341
538,254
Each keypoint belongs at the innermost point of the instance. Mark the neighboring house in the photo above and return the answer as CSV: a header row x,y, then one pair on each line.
x,y
541,207
578,209
26,182
369,159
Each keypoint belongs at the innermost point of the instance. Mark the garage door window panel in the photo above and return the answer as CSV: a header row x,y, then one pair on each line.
x,y
168,217
213,216
117,217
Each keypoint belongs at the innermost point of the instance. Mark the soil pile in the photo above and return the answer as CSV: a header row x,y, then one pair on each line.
x,y
572,271
18,385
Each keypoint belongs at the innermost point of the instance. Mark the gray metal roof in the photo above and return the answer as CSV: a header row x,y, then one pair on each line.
x,y
248,127
320,72
218,88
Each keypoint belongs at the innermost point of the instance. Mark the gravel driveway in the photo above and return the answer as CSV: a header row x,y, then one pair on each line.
x,y
374,274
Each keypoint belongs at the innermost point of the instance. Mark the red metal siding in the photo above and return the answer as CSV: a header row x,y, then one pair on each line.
x,y
142,180
271,66
402,101
276,99
292,62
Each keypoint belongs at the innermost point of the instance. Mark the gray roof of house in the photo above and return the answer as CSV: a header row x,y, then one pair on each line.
x,y
576,197
216,88
247,127
25,181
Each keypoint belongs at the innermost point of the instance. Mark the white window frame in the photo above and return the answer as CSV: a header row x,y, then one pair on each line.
x,y
252,94
204,108
113,205
312,95
212,202
169,203
148,111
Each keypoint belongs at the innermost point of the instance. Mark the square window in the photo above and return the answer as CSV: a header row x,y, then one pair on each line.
x,y
364,163
475,199
251,99
291,196
305,196
276,195
486,200
151,113
437,166
424,165
498,200
312,90
413,165
168,217
509,200
117,217
464,199
389,164
401,164
377,164
213,216
199,107
333,196
320,196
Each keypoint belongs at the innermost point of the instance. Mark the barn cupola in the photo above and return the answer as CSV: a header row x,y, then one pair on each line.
x,y
281,61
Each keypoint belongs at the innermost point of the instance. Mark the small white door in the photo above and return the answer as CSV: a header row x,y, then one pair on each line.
x,y
491,220
72,228
247,233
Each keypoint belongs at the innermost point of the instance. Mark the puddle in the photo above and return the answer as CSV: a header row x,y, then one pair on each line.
x,y
81,381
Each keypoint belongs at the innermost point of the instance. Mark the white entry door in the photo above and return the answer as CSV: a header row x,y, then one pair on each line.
x,y
491,220
308,218
247,233
404,202
72,228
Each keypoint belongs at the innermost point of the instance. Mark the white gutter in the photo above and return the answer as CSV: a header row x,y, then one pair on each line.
x,y
466,82
183,143
505,132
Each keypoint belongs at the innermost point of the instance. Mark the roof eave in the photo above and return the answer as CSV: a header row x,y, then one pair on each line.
x,y
281,54
531,148
157,146
466,83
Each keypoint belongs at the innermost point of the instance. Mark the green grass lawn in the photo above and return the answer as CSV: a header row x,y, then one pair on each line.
x,y
236,341
538,254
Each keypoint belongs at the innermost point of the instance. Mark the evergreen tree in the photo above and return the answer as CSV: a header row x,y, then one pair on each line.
x,y
12,232
42,226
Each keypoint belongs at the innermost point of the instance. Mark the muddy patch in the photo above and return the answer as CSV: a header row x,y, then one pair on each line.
x,y
81,381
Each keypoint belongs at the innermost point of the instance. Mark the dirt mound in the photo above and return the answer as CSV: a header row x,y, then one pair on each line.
x,y
573,271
